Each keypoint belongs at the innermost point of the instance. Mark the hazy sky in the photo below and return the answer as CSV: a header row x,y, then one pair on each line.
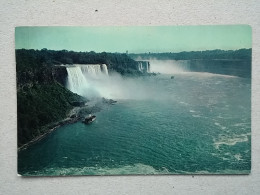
x,y
135,39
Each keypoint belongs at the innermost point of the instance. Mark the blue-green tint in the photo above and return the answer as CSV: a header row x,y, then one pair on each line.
x,y
201,125
135,39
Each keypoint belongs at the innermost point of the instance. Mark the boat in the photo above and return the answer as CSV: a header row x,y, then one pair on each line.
x,y
89,119
172,77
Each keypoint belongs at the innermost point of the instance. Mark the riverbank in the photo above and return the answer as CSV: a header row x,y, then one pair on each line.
x,y
76,114
48,131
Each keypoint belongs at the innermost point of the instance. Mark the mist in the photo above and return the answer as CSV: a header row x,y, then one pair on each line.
x,y
169,66
115,86
112,85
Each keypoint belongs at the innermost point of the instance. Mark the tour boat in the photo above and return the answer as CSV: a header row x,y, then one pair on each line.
x,y
89,119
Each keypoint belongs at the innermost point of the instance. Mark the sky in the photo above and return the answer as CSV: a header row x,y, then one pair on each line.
x,y
135,39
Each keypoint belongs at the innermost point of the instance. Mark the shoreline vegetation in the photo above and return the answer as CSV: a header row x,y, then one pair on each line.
x,y
217,54
43,101
76,114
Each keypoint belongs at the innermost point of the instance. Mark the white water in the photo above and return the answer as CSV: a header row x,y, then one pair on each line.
x,y
145,68
104,69
85,79
76,80
93,69
139,66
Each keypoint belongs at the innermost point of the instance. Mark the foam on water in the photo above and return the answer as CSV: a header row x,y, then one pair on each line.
x,y
231,141
122,170
219,125
221,172
238,156
196,116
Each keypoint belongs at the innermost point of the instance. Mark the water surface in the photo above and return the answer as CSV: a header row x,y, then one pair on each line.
x,y
194,123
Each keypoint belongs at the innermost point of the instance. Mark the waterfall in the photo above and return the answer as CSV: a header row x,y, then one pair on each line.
x,y
143,66
87,79
139,66
147,67
104,69
76,80
93,69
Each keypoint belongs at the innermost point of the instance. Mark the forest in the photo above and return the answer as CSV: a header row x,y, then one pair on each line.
x,y
243,54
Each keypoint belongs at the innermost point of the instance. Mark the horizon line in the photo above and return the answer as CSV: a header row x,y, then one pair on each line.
x,y
148,52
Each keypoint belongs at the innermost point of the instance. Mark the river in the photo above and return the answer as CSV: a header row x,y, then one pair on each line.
x,y
196,123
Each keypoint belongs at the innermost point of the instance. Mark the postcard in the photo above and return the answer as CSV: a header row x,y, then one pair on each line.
x,y
133,100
